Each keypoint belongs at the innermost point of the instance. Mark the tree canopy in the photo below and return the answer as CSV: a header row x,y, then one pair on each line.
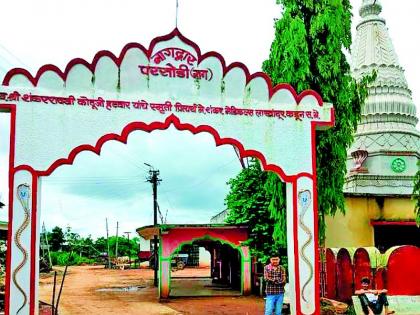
x,y
308,53
56,238
249,202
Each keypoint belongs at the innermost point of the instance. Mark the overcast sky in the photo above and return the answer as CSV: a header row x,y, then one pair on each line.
x,y
194,171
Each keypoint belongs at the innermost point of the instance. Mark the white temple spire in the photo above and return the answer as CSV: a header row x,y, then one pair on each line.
x,y
387,133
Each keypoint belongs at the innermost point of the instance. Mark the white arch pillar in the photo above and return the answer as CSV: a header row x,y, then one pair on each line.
x,y
22,266
302,246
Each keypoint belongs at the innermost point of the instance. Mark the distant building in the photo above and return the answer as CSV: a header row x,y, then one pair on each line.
x,y
383,159
220,217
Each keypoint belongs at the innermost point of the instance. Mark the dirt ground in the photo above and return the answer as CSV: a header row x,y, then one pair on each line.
x,y
80,295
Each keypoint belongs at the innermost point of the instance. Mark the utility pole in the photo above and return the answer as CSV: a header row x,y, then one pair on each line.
x,y
107,242
116,245
129,247
48,246
155,180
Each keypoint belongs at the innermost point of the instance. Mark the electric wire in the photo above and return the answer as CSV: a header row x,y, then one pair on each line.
x,y
126,156
201,181
19,61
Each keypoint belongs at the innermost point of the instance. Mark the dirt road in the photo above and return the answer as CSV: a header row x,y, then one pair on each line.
x,y
81,296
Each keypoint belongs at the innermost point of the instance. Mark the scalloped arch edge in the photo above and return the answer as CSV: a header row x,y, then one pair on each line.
x,y
175,33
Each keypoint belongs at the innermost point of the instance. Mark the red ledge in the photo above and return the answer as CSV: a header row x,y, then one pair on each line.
x,y
148,53
172,119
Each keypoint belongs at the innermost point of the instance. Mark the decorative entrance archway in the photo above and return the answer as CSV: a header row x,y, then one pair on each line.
x,y
173,237
55,115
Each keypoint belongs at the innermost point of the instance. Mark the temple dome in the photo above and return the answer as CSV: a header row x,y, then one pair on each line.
x,y
387,130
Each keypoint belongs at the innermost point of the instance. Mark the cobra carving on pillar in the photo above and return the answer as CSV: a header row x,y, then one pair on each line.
x,y
23,194
305,201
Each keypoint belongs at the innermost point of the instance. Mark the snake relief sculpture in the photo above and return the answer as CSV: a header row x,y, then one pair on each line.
x,y
305,200
23,194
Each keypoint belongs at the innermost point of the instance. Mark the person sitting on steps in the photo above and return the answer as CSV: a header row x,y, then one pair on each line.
x,y
373,301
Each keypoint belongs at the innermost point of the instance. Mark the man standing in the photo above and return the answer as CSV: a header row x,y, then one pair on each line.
x,y
275,277
373,301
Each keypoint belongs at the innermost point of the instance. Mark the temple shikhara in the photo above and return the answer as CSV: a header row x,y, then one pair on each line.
x,y
383,159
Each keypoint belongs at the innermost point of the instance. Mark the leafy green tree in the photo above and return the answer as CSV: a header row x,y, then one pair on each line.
x,y
88,247
73,240
101,244
275,192
125,248
134,246
308,53
56,238
248,203
416,194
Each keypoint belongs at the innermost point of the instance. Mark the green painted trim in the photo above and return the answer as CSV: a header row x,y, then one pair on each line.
x,y
160,265
208,237
165,258
169,278
250,277
242,273
165,227
205,237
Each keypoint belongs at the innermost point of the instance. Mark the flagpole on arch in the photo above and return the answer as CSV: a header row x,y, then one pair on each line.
x,y
176,15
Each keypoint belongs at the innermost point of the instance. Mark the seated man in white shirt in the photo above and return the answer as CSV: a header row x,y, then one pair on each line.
x,y
373,301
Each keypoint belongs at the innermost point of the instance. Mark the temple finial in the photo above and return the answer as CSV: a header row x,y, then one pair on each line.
x,y
370,7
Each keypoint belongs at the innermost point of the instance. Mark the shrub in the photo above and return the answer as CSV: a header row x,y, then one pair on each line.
x,y
71,259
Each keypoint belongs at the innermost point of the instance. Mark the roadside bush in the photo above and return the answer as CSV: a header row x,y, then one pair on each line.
x,y
86,261
3,249
71,259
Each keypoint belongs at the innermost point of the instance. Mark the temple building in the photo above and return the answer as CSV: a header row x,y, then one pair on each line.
x,y
383,159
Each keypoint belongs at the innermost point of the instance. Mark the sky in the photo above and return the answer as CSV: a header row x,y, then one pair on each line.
x,y
194,172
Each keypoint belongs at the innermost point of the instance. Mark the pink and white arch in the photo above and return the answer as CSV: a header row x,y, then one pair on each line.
x,y
55,115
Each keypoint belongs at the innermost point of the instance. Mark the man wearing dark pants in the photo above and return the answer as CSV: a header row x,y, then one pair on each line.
x,y
372,301
275,277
